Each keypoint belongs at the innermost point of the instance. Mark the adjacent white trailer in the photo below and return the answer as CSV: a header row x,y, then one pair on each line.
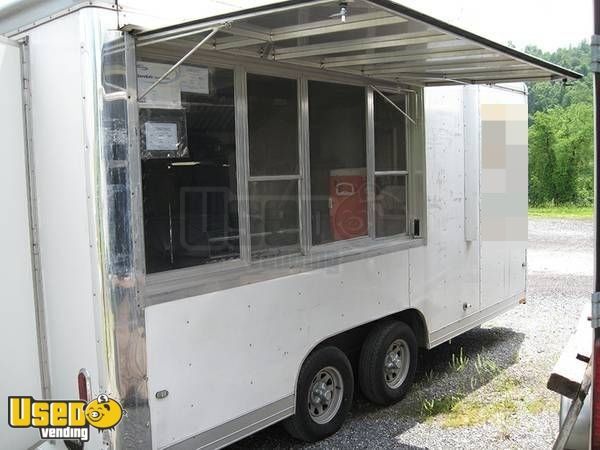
x,y
215,220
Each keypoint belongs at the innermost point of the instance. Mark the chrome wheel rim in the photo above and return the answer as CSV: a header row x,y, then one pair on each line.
x,y
396,363
325,395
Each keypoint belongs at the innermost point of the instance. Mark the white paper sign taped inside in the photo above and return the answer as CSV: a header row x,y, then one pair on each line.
x,y
161,136
168,91
194,79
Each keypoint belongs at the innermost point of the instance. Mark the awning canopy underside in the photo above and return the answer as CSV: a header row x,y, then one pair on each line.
x,y
378,39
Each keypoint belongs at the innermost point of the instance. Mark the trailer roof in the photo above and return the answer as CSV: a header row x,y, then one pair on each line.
x,y
379,39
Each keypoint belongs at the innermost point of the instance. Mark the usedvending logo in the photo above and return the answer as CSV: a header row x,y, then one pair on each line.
x,y
64,419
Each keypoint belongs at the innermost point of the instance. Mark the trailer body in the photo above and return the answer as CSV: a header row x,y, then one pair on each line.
x,y
201,357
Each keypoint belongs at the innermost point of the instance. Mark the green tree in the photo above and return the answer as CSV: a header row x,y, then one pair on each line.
x,y
561,156
545,95
561,132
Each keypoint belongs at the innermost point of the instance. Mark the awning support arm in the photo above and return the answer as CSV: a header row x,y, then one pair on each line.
x,y
182,60
387,99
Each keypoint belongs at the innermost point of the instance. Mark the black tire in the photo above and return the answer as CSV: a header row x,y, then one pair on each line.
x,y
73,445
371,374
302,425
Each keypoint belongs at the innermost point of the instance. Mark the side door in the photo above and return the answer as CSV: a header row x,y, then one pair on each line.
x,y
20,364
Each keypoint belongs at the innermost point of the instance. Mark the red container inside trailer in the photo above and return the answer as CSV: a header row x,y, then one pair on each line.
x,y
348,203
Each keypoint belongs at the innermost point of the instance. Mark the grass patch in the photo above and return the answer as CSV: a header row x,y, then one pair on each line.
x,y
562,212
456,411
506,384
539,405
466,414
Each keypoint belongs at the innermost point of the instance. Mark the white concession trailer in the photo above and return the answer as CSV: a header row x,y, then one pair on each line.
x,y
225,218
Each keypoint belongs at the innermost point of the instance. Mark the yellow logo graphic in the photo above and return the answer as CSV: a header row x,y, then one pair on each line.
x,y
103,412
64,419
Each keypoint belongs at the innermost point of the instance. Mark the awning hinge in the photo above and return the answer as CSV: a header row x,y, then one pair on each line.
x,y
595,53
595,310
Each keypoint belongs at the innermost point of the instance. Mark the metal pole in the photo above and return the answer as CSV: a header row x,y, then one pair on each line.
x,y
181,61
595,41
595,431
385,97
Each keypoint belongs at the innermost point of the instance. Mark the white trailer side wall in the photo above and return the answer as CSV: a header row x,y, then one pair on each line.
x,y
225,354
19,362
59,55
444,273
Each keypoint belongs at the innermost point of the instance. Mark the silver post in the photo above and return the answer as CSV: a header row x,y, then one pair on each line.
x,y
181,61
393,104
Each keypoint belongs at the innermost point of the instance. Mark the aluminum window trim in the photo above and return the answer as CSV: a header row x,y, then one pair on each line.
x,y
261,178
197,271
388,173
304,165
370,148
242,161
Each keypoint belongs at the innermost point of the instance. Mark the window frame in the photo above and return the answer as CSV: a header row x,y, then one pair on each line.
x,y
195,280
382,173
261,178
326,247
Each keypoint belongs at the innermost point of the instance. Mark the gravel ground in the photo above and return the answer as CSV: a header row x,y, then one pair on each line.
x,y
493,395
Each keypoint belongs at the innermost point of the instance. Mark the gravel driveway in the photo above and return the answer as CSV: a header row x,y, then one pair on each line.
x,y
485,389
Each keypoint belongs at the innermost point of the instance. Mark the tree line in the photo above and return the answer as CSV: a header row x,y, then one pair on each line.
x,y
561,133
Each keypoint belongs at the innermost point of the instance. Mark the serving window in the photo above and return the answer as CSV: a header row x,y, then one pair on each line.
x,y
274,165
189,184
338,161
240,167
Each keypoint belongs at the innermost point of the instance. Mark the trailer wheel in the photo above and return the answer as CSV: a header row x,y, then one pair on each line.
x,y
73,445
388,361
323,395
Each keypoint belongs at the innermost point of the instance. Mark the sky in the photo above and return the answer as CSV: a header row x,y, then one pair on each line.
x,y
549,24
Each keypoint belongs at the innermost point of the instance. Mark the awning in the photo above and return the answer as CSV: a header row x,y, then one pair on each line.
x,y
378,39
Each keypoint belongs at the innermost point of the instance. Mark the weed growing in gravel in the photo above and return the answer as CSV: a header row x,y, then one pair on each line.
x,y
443,405
459,362
430,376
486,367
